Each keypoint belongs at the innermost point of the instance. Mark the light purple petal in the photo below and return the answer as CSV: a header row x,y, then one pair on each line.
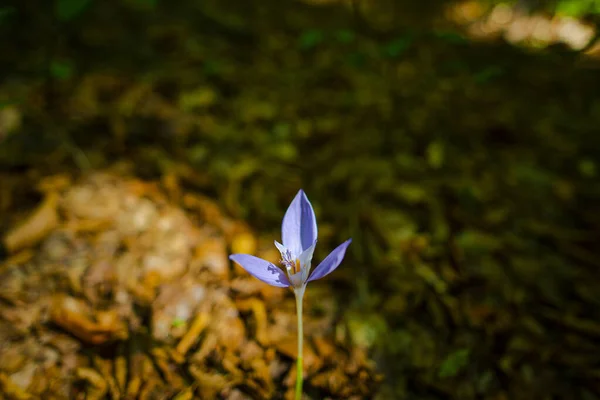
x,y
299,227
306,259
331,262
261,269
281,248
296,279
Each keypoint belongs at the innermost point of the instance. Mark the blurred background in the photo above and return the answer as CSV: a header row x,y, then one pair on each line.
x,y
456,142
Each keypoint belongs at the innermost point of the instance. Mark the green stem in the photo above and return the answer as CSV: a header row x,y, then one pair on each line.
x,y
299,375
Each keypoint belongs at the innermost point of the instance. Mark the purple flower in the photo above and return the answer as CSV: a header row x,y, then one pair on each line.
x,y
299,237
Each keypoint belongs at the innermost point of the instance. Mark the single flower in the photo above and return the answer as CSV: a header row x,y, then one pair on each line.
x,y
299,237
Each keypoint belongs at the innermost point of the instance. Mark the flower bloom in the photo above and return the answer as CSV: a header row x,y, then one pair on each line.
x,y
299,237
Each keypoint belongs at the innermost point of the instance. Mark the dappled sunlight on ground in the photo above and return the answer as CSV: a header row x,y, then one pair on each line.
x,y
520,27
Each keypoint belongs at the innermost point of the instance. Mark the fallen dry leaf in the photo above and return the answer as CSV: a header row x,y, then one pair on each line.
x,y
42,221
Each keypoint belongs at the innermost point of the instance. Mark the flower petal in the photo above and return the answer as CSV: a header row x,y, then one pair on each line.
x,y
299,226
261,269
306,259
281,248
331,262
296,279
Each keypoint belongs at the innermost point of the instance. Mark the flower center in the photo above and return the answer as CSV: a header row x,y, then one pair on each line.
x,y
291,264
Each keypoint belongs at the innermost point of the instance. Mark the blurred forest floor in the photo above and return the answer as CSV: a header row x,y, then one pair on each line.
x,y
466,172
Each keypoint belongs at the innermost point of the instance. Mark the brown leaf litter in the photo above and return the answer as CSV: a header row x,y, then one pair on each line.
x,y
113,290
